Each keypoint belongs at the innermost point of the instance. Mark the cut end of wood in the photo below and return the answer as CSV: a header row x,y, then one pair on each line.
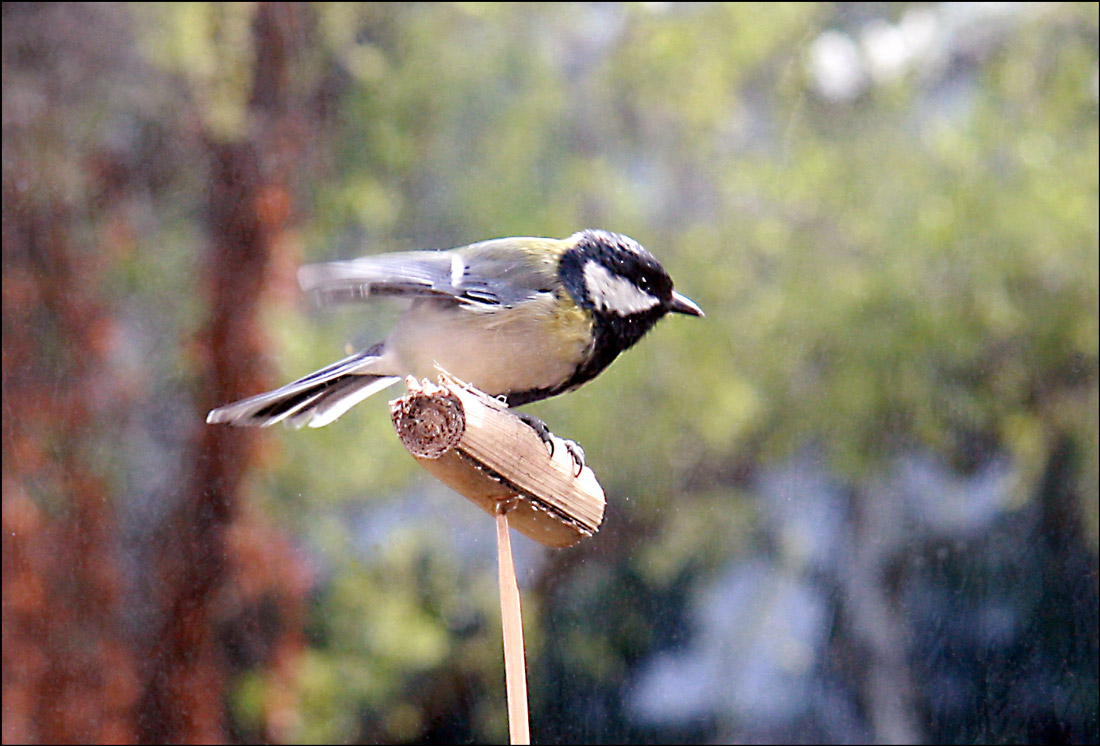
x,y
474,444
428,424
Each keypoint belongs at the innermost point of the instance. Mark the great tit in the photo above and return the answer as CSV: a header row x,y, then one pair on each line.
x,y
522,319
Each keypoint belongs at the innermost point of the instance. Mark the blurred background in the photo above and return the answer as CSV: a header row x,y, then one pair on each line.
x,y
856,503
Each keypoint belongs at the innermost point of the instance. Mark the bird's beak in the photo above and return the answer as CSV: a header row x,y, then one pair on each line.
x,y
684,304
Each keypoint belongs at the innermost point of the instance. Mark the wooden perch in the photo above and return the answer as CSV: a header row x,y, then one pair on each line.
x,y
475,445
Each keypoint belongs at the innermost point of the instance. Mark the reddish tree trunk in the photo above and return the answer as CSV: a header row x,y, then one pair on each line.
x,y
248,211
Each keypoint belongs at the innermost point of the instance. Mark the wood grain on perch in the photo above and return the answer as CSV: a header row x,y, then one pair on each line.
x,y
476,446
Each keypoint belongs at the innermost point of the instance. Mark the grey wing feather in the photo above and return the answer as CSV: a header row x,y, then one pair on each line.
x,y
487,274
411,273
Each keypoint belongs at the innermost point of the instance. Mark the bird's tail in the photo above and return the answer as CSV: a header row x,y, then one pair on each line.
x,y
315,400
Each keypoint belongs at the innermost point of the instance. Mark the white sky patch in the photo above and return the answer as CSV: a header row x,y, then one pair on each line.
x,y
458,268
613,293
836,67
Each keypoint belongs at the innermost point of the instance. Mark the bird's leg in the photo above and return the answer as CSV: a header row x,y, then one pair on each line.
x,y
540,428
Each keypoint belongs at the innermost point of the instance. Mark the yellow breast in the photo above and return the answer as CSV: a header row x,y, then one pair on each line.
x,y
535,345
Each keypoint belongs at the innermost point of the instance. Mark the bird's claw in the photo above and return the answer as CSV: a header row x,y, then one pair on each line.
x,y
576,453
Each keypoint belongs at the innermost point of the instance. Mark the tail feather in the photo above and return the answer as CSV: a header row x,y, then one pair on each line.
x,y
339,399
315,400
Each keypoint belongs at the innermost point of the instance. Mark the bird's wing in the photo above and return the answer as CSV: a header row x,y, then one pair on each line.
x,y
500,272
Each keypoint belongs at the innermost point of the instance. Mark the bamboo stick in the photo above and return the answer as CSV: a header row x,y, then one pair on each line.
x,y
511,617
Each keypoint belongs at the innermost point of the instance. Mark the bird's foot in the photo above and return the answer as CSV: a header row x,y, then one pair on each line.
x,y
575,451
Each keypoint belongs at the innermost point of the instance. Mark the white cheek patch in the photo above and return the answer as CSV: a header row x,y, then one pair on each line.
x,y
615,294
458,269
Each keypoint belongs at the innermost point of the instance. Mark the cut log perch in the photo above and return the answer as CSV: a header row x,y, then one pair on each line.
x,y
472,443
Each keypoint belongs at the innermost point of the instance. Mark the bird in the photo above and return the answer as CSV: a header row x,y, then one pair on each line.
x,y
521,318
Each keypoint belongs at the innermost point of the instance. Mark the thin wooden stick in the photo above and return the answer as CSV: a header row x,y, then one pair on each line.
x,y
515,669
